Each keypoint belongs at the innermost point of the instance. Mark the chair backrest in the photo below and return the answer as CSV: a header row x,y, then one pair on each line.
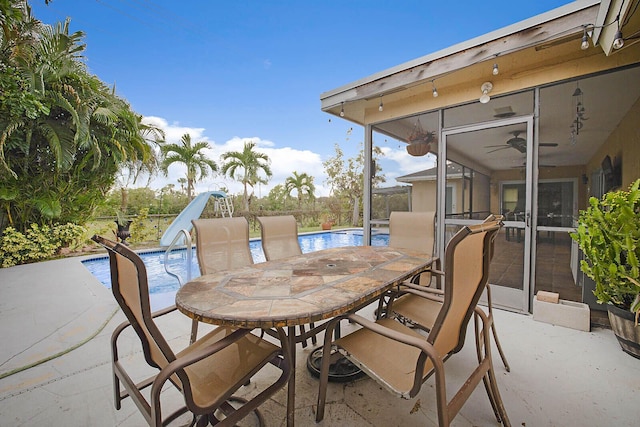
x,y
222,244
412,230
131,290
279,236
467,259
491,218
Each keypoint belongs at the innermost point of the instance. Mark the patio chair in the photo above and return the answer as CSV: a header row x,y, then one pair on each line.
x,y
279,236
401,359
221,244
410,230
280,240
207,372
422,312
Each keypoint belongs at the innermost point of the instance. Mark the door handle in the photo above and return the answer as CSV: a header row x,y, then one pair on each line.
x,y
528,219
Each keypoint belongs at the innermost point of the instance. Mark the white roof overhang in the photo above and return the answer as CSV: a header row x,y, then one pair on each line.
x,y
548,28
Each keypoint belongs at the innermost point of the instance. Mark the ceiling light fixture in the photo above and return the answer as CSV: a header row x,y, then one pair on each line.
x,y
435,91
495,69
485,88
342,110
380,107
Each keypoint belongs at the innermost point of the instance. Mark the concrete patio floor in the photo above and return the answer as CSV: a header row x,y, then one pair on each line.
x,y
559,376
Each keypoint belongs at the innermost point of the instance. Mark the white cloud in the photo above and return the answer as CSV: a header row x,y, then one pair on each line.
x,y
406,163
284,161
173,132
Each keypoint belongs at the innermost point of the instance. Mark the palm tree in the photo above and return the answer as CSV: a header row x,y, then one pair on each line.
x,y
63,133
191,156
245,166
302,183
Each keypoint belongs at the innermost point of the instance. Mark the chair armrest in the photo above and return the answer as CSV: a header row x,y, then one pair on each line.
x,y
422,293
164,311
124,325
435,261
420,288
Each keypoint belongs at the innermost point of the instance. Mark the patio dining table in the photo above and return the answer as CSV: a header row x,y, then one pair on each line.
x,y
298,290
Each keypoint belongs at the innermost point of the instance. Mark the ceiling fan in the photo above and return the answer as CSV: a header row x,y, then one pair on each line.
x,y
518,143
524,165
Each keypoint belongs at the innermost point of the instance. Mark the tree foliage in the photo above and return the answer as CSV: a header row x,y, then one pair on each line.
x,y
276,200
346,178
192,157
245,166
63,133
301,183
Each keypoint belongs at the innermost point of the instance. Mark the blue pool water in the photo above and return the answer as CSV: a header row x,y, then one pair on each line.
x,y
163,287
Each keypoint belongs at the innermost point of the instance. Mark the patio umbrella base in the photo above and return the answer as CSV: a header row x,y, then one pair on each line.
x,y
340,371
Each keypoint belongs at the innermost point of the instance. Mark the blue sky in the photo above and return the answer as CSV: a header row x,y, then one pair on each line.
x,y
232,71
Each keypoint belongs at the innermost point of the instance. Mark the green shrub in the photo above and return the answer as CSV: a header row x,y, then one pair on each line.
x,y
67,235
37,244
608,233
138,229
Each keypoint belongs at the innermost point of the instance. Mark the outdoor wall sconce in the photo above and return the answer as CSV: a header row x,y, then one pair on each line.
x,y
495,71
380,107
485,88
435,91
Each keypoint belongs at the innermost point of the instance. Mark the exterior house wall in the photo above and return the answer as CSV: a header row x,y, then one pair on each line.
x,y
424,196
481,191
623,145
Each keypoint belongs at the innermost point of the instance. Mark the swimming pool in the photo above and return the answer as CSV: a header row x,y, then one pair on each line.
x,y
162,286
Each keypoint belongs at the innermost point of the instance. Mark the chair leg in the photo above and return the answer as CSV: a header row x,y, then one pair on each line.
x,y
227,408
504,418
502,356
324,370
483,342
493,330
485,379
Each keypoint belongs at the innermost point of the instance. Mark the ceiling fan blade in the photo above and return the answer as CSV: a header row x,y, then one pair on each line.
x,y
540,166
548,144
493,146
498,149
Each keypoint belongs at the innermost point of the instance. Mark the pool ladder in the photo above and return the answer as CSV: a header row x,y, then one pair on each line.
x,y
178,241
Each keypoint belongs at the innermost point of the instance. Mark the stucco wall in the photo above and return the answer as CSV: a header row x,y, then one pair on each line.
x,y
424,196
623,146
481,193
